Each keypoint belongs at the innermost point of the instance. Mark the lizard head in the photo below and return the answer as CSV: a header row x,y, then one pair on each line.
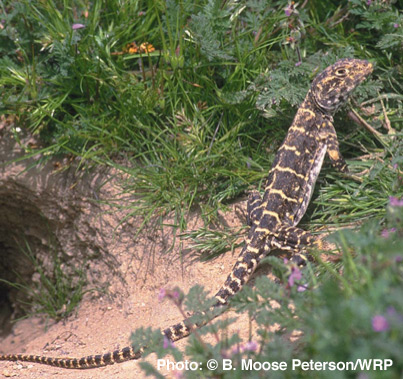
x,y
332,87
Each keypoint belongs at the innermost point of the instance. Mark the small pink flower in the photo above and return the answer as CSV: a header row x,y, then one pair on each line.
x,y
301,288
178,374
77,26
290,9
386,232
393,316
379,323
162,294
395,25
295,275
175,295
391,311
250,346
168,343
395,202
298,64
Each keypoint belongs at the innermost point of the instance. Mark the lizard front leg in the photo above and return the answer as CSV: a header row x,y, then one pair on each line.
x,y
329,136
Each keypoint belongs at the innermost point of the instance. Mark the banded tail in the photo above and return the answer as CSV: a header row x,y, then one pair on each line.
x,y
240,274
91,361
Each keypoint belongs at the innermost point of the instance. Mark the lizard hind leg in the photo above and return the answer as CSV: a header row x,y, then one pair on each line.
x,y
295,240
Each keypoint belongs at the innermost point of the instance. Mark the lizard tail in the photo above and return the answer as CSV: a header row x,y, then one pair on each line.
x,y
92,361
240,274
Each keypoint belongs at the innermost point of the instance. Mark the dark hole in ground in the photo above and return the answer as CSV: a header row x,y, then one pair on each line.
x,y
24,232
6,310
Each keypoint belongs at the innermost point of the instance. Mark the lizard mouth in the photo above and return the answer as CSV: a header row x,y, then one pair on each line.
x,y
367,68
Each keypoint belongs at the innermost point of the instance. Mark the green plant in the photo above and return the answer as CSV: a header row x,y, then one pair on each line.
x,y
54,293
349,311
198,119
211,243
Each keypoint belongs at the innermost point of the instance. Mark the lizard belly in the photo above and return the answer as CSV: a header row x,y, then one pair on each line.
x,y
310,184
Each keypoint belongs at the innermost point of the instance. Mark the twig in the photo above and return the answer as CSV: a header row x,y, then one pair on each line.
x,y
387,125
383,96
353,115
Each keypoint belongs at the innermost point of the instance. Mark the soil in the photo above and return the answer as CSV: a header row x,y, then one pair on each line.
x,y
57,207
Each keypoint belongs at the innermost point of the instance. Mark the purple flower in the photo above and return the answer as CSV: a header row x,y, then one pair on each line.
x,y
295,275
398,259
174,295
178,374
250,346
77,26
395,202
386,232
369,2
301,288
168,343
395,25
298,64
289,10
162,294
393,316
379,323
391,311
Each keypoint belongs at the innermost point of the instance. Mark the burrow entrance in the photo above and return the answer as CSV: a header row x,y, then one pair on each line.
x,y
25,234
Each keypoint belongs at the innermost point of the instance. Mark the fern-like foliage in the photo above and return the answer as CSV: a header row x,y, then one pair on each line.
x,y
209,28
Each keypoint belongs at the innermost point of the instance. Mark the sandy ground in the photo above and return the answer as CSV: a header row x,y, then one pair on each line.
x,y
105,323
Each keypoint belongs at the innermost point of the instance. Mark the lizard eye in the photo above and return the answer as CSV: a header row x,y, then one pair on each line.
x,y
342,72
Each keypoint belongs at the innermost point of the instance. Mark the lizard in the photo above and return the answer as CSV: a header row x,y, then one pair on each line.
x,y
273,218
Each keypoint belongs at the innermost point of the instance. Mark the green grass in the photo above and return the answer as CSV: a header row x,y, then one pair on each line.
x,y
55,293
200,118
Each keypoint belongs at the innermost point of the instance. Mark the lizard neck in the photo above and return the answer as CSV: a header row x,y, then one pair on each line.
x,y
321,115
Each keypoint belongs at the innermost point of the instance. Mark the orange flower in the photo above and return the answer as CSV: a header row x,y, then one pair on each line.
x,y
132,48
146,47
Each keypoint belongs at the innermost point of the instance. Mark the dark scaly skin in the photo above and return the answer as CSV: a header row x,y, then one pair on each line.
x,y
273,219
